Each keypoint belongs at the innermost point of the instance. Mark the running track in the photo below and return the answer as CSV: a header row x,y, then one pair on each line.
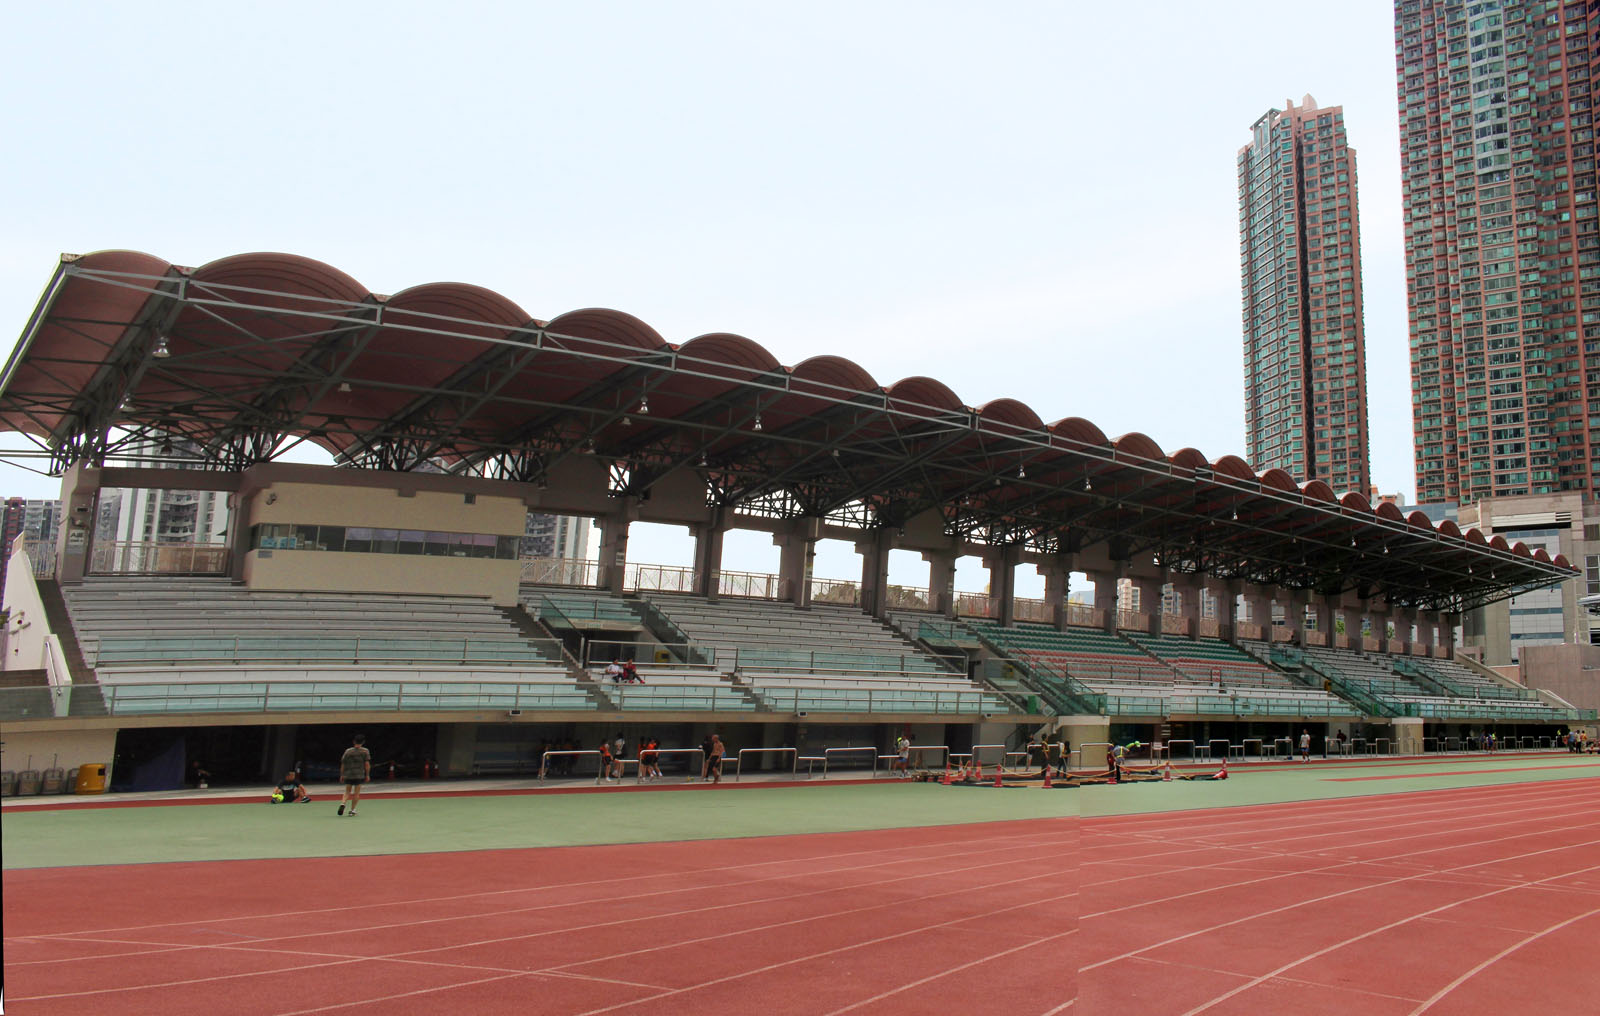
x,y
1483,900
1474,900
971,918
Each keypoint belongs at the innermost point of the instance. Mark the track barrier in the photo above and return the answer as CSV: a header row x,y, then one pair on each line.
x,y
544,761
738,766
832,755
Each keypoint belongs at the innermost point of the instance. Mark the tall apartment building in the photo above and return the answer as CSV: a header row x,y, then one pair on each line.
x,y
1305,375
1502,248
555,536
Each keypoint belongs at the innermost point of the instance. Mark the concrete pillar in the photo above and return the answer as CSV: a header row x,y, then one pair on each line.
x,y
1189,592
1294,613
1078,731
797,554
874,551
1322,619
1150,601
1226,594
613,551
1258,600
1448,624
708,555
1408,735
1401,616
1426,636
1002,565
1105,594
1057,577
942,580
80,507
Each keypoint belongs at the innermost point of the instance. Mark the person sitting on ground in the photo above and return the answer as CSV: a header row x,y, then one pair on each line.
x,y
289,790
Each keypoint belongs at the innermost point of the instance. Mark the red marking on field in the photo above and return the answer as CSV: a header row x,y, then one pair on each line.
x,y
875,922
1461,772
1453,901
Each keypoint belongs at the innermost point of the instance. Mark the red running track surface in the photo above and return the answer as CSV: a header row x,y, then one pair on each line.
x,y
1482,900
970,919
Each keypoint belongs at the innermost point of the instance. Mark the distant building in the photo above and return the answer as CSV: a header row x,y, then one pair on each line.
x,y
35,521
1502,244
1565,523
560,536
1305,381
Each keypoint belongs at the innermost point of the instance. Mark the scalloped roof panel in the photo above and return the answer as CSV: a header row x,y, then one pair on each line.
x,y
260,331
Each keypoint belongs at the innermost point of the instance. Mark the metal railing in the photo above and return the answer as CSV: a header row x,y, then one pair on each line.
x,y
560,571
143,558
909,598
41,557
790,699
679,697
842,591
738,762
292,696
353,650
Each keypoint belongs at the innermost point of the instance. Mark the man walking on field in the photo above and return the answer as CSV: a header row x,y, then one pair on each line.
x,y
355,769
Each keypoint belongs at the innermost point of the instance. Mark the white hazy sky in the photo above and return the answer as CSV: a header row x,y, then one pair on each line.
x,y
1035,200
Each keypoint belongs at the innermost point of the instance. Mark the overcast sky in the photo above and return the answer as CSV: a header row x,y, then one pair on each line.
x,y
1035,200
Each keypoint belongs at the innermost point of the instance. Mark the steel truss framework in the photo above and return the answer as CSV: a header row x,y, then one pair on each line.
x,y
249,356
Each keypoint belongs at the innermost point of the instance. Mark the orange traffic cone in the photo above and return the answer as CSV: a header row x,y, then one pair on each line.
x,y
999,776
1223,773
946,780
977,770
1047,783
1166,774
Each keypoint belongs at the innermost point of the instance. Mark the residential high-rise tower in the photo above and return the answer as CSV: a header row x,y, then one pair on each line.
x,y
1305,381
1502,248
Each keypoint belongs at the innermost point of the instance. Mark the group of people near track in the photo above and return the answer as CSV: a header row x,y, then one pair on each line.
x,y
614,755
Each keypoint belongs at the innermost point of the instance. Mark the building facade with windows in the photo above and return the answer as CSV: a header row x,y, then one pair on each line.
x,y
1300,266
1502,243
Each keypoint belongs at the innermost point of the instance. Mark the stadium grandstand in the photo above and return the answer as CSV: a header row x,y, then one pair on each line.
x,y
386,589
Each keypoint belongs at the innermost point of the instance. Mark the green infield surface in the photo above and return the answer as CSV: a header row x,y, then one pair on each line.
x,y
446,821
394,822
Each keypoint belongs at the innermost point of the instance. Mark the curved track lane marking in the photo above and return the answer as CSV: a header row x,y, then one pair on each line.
x,y
1502,954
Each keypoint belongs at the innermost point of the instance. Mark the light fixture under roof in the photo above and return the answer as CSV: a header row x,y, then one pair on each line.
x,y
757,424
161,352
344,386
644,405
1022,473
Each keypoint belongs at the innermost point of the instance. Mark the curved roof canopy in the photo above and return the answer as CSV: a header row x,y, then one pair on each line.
x,y
247,356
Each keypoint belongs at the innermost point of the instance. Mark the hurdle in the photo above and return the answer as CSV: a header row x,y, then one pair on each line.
x,y
793,753
829,754
1245,744
683,751
544,761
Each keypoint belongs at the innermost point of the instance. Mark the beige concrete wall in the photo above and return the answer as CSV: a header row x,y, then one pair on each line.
x,y
26,627
1571,671
325,571
64,748
319,504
